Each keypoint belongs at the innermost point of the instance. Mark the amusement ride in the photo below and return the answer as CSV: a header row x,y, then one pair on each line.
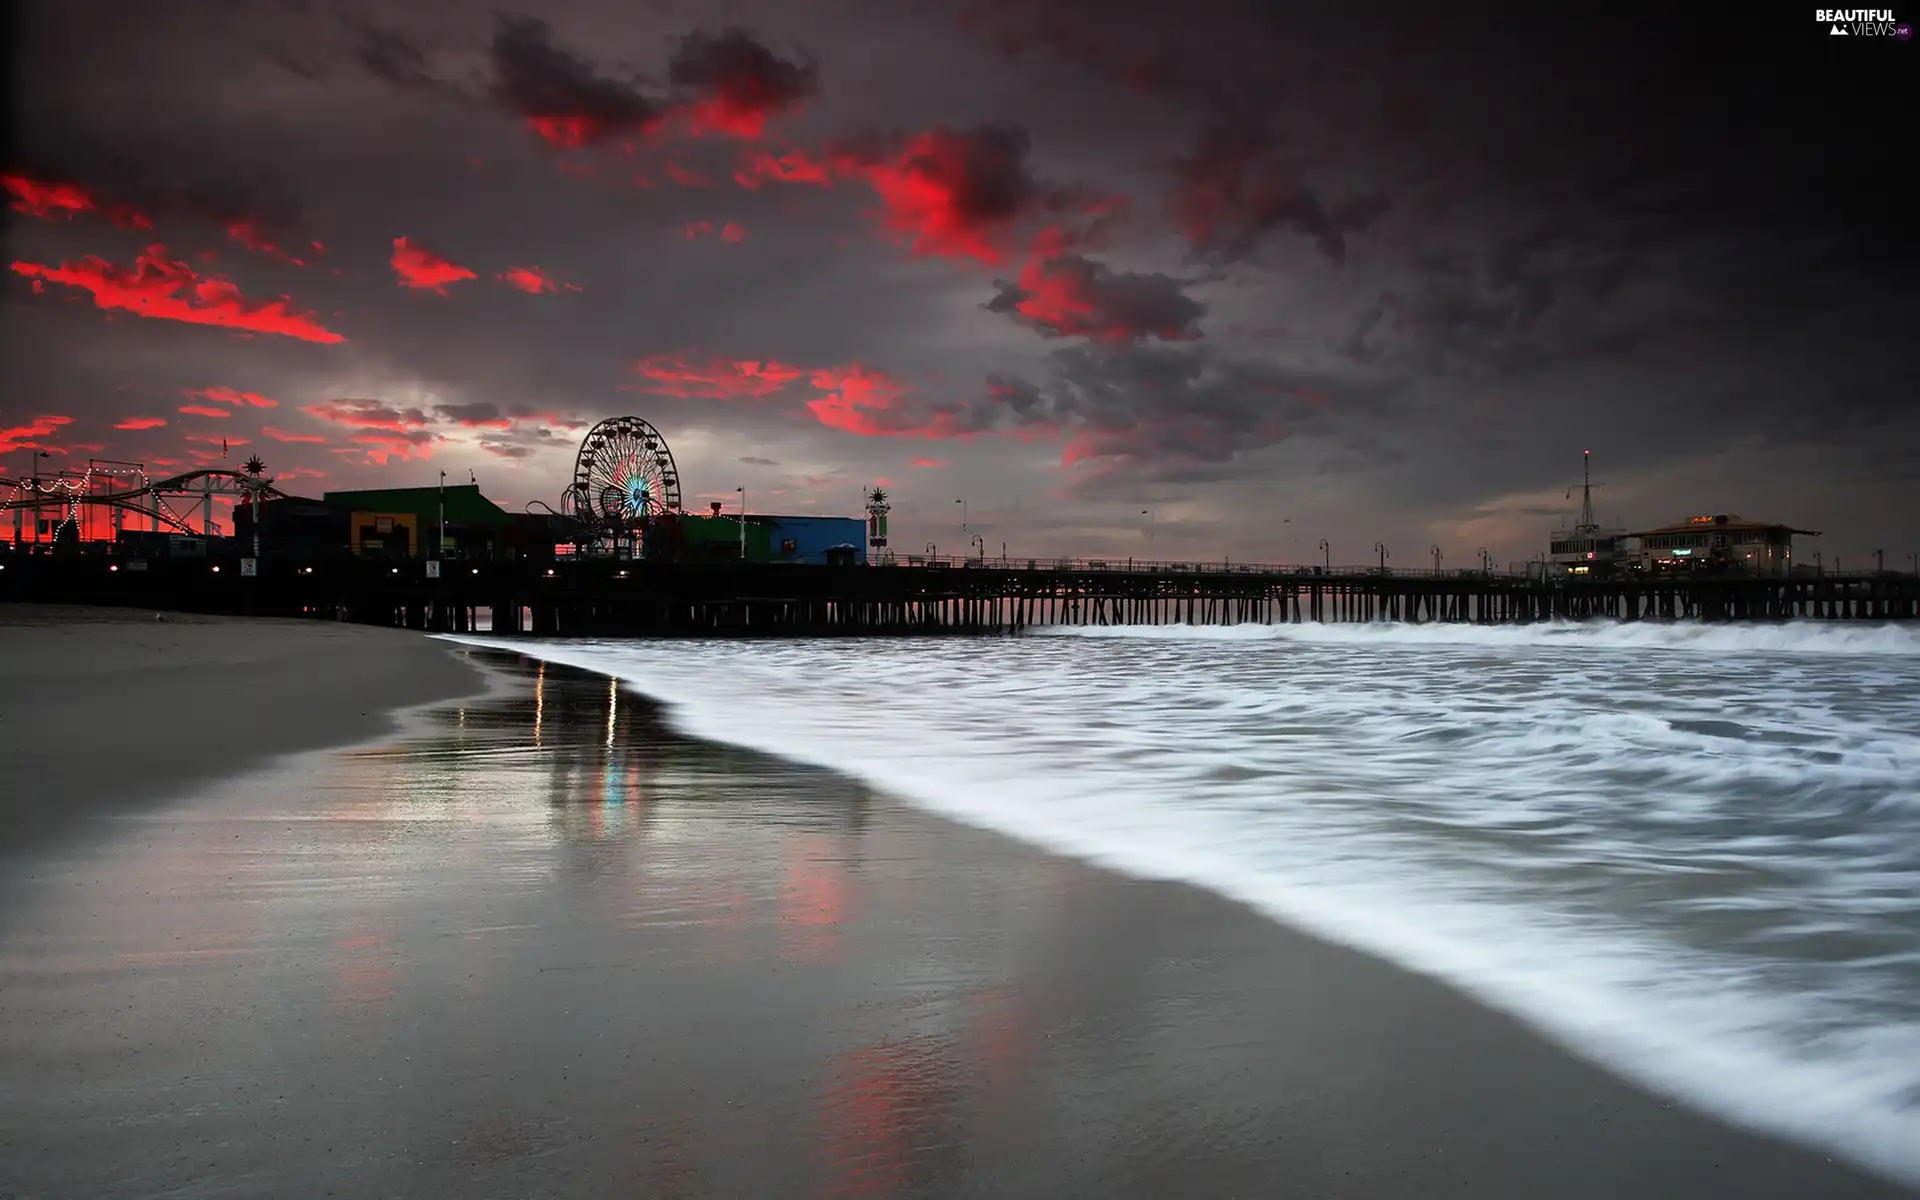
x,y
68,504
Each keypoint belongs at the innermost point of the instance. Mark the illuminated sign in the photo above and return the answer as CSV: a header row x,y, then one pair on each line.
x,y
1681,553
1699,520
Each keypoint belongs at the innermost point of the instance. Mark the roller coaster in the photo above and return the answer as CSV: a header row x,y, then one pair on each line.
x,y
118,490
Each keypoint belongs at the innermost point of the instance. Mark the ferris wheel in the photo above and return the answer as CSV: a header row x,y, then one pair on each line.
x,y
624,476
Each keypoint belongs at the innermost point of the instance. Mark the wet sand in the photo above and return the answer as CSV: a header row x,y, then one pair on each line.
x,y
103,709
538,946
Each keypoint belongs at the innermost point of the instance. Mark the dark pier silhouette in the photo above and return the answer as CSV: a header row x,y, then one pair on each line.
x,y
608,597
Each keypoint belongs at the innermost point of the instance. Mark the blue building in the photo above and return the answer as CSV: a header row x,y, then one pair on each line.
x,y
822,541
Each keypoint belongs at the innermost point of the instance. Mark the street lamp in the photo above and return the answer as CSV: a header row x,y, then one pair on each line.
x,y
1486,562
1382,548
1914,561
1326,552
1148,514
1435,551
963,517
442,551
743,522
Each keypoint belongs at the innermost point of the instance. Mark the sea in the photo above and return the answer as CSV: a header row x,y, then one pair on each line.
x,y
1689,853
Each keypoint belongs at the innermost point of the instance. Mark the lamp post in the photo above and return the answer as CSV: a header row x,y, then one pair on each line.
x,y
1879,562
964,530
743,522
1435,551
442,551
1148,514
1382,548
1486,562
1913,560
1326,555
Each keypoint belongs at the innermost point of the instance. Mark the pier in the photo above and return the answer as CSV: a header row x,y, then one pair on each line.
x,y
610,597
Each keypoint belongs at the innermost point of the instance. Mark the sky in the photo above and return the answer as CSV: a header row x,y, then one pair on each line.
x,y
1216,280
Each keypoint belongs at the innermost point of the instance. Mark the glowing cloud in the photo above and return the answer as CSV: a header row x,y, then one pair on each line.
x,y
166,289
204,410
226,395
949,193
738,84
758,167
135,423
424,269
247,234
60,201
716,379
531,280
26,437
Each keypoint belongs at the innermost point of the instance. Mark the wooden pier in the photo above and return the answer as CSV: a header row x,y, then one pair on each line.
x,y
602,597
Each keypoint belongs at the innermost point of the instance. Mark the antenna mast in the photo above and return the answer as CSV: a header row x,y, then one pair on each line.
x,y
1586,489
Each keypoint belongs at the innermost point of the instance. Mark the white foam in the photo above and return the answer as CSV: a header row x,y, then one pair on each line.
x,y
1468,802
1801,637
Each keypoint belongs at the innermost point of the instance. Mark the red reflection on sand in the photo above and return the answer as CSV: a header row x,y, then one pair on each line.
x,y
998,1037
814,897
884,1104
365,972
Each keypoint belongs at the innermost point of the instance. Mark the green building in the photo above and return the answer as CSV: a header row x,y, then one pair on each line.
x,y
405,522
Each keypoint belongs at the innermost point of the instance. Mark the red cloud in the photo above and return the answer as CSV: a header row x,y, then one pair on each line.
x,y
728,232
406,446
1073,296
741,83
226,395
46,200
132,423
52,201
531,280
926,462
686,176
247,234
202,410
368,414
209,439
717,379
281,435
850,390
757,167
26,437
419,267
170,290
949,193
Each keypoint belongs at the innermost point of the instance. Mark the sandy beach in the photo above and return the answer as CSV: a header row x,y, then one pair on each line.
x,y
103,710
536,944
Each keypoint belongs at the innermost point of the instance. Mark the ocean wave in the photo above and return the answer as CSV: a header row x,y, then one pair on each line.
x,y
1795,637
1702,871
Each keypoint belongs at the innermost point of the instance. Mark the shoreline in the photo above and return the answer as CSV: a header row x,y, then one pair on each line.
x,y
1623,1063
774,979
109,711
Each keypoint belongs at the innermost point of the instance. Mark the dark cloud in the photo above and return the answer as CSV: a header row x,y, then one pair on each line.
x,y
1234,189
391,56
737,83
562,95
756,461
1072,296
